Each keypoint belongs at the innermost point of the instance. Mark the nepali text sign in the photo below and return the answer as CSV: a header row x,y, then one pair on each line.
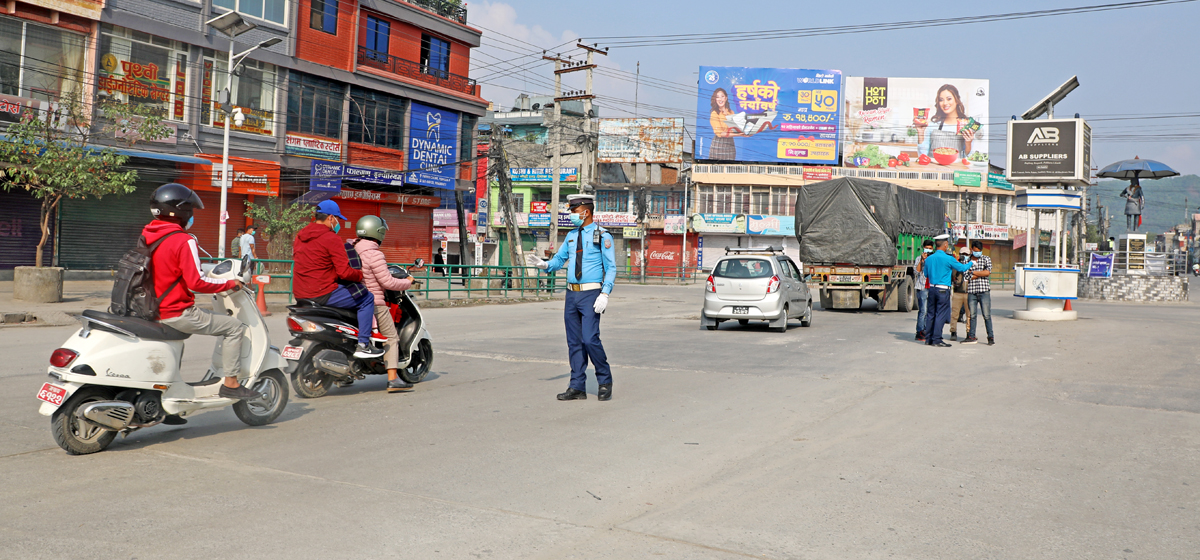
x,y
968,179
312,147
981,231
932,124
770,225
768,114
719,223
997,181
542,174
1100,266
432,147
644,140
818,173
674,224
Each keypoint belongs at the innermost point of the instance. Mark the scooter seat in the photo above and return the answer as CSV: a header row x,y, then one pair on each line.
x,y
340,313
140,328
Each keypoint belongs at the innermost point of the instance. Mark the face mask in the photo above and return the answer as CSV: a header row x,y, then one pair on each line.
x,y
965,258
928,250
337,226
977,254
188,225
576,219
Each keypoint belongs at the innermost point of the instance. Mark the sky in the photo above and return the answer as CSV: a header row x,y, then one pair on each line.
x,y
1132,64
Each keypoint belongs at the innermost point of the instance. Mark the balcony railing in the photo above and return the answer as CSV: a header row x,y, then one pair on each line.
x,y
449,10
409,69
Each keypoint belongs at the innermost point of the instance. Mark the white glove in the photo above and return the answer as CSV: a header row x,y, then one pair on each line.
x,y
534,260
601,303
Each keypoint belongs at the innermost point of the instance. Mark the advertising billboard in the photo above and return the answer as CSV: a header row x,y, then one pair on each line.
x,y
917,124
542,174
768,115
432,147
645,140
771,225
719,223
1049,151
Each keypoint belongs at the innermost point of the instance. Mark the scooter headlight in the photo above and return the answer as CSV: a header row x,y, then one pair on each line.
x,y
296,324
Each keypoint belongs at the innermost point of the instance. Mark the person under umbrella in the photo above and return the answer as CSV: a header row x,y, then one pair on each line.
x,y
1134,202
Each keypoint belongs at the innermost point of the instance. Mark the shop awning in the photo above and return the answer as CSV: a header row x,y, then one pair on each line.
x,y
143,154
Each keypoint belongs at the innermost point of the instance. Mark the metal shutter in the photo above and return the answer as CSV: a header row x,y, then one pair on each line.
x,y
410,233
20,231
95,233
206,228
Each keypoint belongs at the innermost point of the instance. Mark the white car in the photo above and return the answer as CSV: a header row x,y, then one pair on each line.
x,y
756,284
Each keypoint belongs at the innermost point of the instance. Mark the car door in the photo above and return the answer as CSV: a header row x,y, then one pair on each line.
x,y
788,279
803,296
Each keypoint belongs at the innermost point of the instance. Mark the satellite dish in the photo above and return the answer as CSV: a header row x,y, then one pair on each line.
x,y
591,113
537,106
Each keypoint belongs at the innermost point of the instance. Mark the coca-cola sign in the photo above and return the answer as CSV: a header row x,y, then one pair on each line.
x,y
663,256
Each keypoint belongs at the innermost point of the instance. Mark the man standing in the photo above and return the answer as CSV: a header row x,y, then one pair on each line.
x,y
938,267
979,293
591,272
958,300
235,246
247,242
922,289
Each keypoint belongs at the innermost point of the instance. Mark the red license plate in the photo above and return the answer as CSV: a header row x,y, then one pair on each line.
x,y
292,352
52,394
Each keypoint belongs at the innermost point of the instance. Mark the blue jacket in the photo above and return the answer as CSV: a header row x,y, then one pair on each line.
x,y
599,262
939,268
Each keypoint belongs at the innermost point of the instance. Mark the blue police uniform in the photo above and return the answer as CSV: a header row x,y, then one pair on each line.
x,y
939,268
598,271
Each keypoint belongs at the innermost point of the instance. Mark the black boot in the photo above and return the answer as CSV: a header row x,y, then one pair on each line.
x,y
605,392
572,395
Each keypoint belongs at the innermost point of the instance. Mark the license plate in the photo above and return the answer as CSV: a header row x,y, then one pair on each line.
x,y
292,352
845,278
52,394
741,310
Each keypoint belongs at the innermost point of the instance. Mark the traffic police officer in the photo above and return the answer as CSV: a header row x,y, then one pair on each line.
x,y
591,271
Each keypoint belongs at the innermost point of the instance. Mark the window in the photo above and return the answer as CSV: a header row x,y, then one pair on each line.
x,y
783,201
314,105
377,39
39,62
612,201
324,16
970,208
1002,209
376,118
989,202
951,200
466,143
274,11
760,201
435,56
744,268
143,70
253,91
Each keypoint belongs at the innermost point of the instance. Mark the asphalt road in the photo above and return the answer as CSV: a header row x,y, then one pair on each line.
x,y
842,440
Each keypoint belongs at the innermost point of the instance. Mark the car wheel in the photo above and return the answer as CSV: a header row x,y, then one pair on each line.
x,y
806,321
781,325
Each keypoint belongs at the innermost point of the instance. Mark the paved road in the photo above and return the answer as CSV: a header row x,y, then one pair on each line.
x,y
843,440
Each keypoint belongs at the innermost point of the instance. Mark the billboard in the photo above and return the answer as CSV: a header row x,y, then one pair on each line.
x,y
771,225
432,147
542,174
917,124
768,115
645,140
1049,151
719,223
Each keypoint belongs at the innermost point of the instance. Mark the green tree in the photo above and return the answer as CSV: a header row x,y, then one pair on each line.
x,y
50,154
279,221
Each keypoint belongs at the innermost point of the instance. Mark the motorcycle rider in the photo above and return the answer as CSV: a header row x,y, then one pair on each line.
x,y
322,273
370,231
175,266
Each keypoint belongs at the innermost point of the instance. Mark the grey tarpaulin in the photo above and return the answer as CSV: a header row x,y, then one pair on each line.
x,y
852,220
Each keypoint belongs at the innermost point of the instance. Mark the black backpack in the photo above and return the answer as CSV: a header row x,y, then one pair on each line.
x,y
133,289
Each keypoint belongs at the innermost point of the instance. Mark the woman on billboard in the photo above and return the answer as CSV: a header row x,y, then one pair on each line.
x,y
722,144
953,129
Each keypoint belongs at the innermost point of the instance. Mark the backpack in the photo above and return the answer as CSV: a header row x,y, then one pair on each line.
x,y
133,289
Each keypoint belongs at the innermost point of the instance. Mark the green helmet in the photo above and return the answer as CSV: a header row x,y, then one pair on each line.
x,y
372,227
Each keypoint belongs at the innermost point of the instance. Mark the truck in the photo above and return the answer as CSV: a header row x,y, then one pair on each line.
x,y
861,238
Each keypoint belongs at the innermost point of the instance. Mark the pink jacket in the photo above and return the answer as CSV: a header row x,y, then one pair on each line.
x,y
375,271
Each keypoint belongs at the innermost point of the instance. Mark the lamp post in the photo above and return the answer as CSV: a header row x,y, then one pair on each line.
x,y
231,24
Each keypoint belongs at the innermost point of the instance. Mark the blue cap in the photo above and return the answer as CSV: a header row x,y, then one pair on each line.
x,y
330,207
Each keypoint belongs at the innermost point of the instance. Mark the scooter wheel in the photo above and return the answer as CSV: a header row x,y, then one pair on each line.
x,y
75,436
422,360
310,383
264,410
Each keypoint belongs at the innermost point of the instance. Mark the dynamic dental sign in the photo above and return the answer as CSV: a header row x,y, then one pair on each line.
x,y
773,115
433,147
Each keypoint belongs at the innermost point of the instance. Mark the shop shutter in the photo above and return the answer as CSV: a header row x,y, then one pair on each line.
x,y
410,233
663,254
20,231
714,248
95,233
207,226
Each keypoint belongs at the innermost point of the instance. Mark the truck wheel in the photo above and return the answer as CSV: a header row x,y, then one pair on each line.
x,y
905,295
75,436
826,300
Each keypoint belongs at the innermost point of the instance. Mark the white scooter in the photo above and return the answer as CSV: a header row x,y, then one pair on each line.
x,y
119,374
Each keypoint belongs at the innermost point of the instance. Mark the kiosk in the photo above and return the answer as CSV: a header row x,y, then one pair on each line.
x,y
1047,287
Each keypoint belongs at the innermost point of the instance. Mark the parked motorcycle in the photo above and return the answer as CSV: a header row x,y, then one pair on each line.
x,y
321,352
119,374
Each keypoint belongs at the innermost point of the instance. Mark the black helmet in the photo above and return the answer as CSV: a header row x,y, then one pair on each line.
x,y
174,202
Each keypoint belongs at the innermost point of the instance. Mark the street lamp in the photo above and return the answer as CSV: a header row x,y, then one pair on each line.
x,y
231,24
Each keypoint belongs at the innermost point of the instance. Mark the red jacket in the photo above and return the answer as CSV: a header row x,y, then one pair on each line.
x,y
320,261
177,258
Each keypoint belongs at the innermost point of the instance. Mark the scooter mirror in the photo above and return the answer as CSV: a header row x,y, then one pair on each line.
x,y
420,263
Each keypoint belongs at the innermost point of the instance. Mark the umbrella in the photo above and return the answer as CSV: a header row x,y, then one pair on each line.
x,y
1137,169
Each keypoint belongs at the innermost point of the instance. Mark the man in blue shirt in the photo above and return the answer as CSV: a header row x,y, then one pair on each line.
x,y
591,267
938,268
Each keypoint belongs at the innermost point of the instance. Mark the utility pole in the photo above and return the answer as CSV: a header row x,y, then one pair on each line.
x,y
462,235
510,213
559,97
590,65
556,165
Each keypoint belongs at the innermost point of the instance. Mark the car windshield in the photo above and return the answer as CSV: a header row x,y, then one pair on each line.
x,y
744,268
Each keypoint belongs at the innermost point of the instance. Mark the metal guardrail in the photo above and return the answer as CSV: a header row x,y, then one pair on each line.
x,y
415,70
1152,263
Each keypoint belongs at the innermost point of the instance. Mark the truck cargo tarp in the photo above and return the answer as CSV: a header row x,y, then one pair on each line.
x,y
852,220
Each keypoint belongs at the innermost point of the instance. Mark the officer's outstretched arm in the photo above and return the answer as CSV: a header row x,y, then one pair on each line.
x,y
610,263
559,259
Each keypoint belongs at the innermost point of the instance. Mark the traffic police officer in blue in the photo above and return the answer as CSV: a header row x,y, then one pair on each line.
x,y
938,268
587,255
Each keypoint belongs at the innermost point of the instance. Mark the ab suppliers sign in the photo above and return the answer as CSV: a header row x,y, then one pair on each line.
x,y
1055,151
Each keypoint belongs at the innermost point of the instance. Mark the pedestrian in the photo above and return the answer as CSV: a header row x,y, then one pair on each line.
x,y
938,266
247,242
979,293
235,246
591,267
922,289
958,300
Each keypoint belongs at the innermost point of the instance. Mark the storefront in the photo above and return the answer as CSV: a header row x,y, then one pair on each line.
x,y
249,178
409,219
20,231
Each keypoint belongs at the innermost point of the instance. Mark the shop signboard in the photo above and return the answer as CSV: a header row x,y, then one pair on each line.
x,y
981,231
674,225
1056,151
432,147
539,207
1100,266
444,218
325,177
642,140
719,223
247,176
312,147
539,220
12,106
633,232
542,174
770,225
968,179
611,219
818,173
933,124
997,181
768,115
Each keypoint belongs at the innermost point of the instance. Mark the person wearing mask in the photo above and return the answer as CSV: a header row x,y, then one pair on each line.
x,y
979,293
938,268
247,243
591,267
958,300
322,274
370,231
922,289
175,267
